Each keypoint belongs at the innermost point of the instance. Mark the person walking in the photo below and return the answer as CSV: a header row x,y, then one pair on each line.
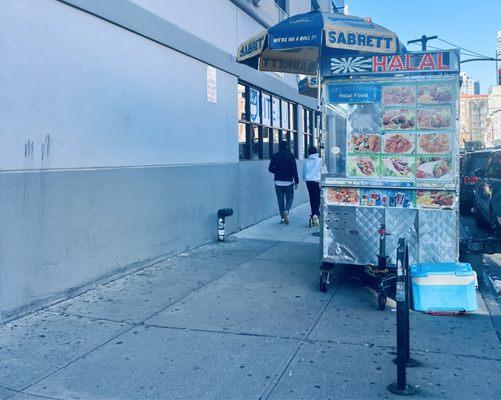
x,y
311,175
283,166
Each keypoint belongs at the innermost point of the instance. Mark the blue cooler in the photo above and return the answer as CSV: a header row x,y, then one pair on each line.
x,y
443,287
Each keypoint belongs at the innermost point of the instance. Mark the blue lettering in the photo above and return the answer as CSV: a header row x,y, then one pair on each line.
x,y
388,42
352,39
361,39
341,38
378,41
369,41
332,37
251,47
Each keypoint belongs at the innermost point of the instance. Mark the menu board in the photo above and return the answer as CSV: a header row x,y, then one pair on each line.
x,y
389,198
406,134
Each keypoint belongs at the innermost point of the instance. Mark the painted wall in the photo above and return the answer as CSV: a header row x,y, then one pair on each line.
x,y
133,102
108,151
221,22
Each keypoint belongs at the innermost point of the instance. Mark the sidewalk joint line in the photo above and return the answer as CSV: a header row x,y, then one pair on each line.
x,y
232,333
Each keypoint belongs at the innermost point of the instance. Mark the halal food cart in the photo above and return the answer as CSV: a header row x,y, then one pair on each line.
x,y
388,138
390,157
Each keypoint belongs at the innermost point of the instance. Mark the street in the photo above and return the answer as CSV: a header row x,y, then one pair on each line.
x,y
242,319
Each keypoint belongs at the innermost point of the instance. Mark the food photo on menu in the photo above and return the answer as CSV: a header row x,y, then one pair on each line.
x,y
434,143
399,94
342,196
434,199
434,118
364,143
435,93
365,166
398,166
399,118
433,167
399,143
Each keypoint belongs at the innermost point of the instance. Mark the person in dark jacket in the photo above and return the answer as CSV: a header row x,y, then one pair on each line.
x,y
283,166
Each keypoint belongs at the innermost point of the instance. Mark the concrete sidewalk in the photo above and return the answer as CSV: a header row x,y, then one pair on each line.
x,y
240,320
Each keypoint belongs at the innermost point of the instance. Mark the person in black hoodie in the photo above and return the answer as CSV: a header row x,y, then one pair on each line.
x,y
283,166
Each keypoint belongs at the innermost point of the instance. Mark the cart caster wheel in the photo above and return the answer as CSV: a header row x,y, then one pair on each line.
x,y
381,301
324,280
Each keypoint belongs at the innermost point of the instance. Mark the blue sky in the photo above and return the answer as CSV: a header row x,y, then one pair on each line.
x,y
471,24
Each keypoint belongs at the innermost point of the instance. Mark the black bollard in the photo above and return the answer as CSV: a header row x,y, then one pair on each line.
x,y
401,387
409,362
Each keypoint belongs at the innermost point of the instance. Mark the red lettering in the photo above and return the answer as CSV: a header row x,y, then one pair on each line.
x,y
379,63
427,62
440,61
408,64
396,64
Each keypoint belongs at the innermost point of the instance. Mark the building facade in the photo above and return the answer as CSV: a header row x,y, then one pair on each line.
x,y
125,125
474,110
494,116
469,85
498,56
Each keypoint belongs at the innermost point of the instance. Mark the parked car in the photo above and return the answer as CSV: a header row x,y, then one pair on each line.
x,y
470,162
487,193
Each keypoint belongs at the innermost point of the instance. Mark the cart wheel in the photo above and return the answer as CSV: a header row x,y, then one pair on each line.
x,y
381,301
324,278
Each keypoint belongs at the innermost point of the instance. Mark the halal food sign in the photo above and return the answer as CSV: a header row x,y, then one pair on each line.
x,y
409,62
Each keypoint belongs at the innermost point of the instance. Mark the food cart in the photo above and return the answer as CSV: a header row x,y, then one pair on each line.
x,y
390,161
389,138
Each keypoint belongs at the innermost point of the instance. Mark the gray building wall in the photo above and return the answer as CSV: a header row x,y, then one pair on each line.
x,y
111,156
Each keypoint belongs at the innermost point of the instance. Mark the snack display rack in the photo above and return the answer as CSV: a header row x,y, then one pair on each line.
x,y
390,160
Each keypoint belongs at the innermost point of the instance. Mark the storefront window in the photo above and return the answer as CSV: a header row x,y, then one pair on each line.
x,y
243,148
275,111
242,100
255,142
266,142
264,120
254,106
266,109
285,115
276,140
310,131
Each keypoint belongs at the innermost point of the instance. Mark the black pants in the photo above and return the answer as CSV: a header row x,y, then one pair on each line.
x,y
285,196
314,191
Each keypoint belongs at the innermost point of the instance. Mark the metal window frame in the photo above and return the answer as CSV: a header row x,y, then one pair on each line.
x,y
264,154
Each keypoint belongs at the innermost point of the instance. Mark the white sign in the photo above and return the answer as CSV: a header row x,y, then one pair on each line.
x,y
285,114
211,84
255,116
275,112
266,106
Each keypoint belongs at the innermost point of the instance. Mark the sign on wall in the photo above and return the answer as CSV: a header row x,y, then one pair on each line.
x,y
266,106
275,111
254,105
211,84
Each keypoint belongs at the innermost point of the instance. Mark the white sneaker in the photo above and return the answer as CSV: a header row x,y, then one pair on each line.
x,y
286,217
316,221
